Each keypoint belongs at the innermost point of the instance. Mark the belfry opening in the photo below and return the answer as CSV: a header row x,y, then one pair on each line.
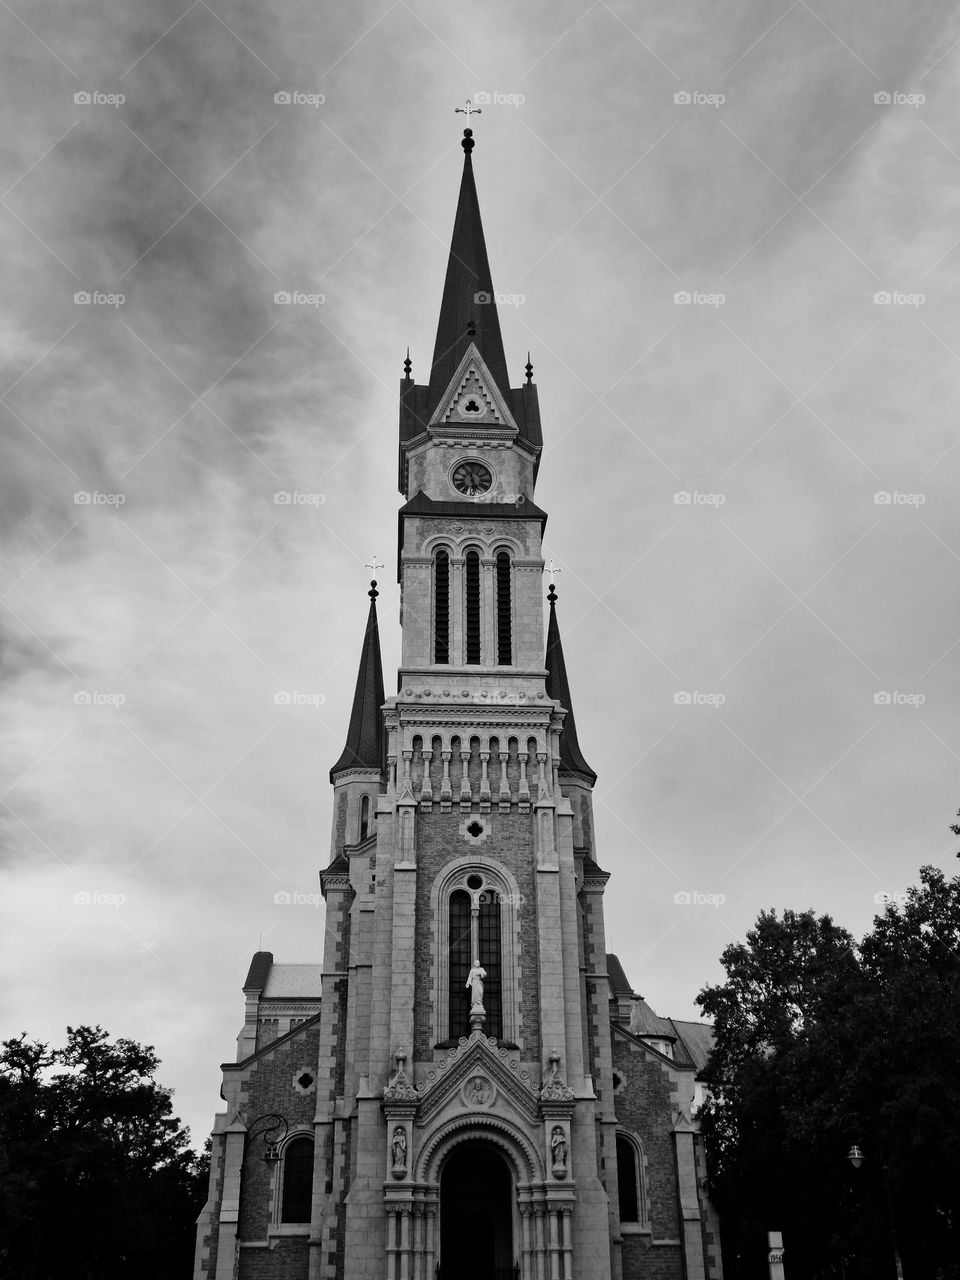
x,y
477,1200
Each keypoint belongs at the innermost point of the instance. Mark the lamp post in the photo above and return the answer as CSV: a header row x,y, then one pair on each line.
x,y
274,1131
856,1157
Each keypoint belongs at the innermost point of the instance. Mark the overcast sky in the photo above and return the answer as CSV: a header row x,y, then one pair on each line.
x,y
725,653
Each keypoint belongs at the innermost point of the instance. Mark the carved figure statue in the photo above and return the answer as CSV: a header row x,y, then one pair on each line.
x,y
558,1145
399,1148
475,982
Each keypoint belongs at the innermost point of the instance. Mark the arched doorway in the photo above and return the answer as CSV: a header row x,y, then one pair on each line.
x,y
476,1215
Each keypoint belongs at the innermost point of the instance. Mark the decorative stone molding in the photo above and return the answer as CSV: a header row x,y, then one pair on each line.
x,y
478,1056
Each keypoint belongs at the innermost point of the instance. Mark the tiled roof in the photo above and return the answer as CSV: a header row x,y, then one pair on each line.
x,y
364,748
558,687
291,980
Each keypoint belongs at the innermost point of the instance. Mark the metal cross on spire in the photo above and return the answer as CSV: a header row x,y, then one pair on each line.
x,y
373,564
552,569
468,110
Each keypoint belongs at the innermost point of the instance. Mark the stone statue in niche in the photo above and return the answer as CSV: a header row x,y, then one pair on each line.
x,y
475,982
399,1151
558,1148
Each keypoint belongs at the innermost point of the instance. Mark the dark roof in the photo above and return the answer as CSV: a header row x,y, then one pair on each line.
x,y
523,509
619,982
464,319
698,1038
558,687
644,1022
259,970
365,747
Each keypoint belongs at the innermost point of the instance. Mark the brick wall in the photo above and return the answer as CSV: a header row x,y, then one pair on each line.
x,y
270,1089
644,1105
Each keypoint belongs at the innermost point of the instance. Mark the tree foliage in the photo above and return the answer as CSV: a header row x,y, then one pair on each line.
x,y
821,1043
97,1180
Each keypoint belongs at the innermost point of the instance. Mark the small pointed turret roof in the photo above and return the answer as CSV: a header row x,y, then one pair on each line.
x,y
468,312
558,687
365,740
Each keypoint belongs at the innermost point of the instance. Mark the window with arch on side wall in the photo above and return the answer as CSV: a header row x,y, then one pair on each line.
x,y
364,817
630,1188
297,1180
504,609
441,606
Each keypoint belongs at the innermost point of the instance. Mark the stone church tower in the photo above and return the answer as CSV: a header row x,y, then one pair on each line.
x,y
464,1088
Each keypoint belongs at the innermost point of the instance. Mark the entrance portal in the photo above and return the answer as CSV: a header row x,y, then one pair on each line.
x,y
476,1216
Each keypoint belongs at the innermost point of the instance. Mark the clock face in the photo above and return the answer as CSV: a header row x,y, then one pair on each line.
x,y
472,478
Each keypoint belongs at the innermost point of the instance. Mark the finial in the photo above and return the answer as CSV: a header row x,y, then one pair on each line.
x,y
471,328
552,595
529,368
373,592
407,365
467,143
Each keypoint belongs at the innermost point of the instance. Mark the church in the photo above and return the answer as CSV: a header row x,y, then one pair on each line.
x,y
465,1086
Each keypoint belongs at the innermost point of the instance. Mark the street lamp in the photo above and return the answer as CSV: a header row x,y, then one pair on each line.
x,y
856,1157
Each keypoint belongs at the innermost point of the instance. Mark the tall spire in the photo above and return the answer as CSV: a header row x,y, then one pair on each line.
x,y
365,740
468,312
571,757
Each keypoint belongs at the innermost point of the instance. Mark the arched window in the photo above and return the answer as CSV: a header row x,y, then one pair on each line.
x,y
460,962
441,607
472,576
364,817
490,959
504,613
477,909
297,1180
630,1191
475,933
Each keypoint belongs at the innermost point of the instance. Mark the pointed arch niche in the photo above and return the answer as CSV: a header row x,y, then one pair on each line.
x,y
495,880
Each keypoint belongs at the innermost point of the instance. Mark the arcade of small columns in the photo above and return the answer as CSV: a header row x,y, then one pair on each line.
x,y
484,770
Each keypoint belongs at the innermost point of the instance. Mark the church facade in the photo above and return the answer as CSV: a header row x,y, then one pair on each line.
x,y
465,1086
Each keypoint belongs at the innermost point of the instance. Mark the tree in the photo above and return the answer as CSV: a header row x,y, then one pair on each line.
x,y
97,1180
820,1043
